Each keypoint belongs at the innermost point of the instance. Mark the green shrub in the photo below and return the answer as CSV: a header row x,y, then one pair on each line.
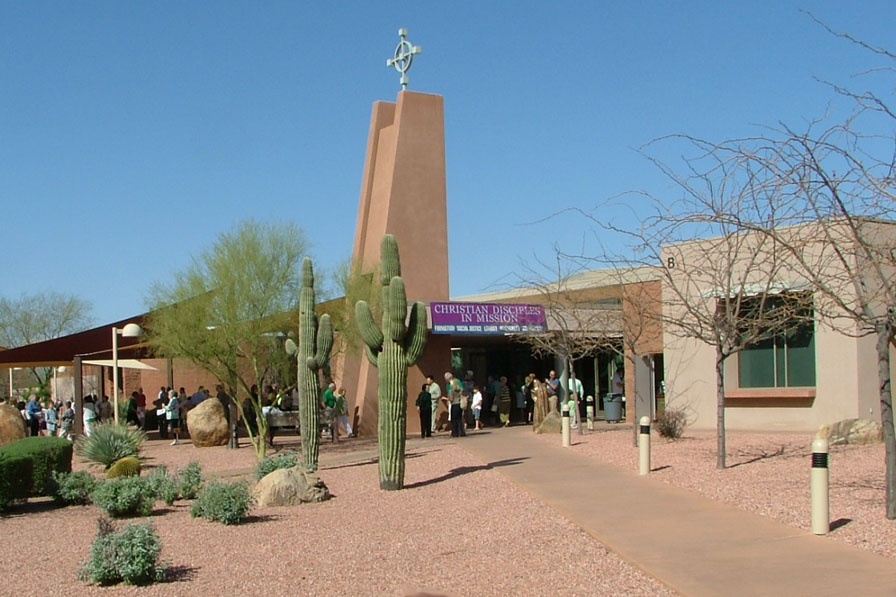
x,y
162,486
130,555
74,488
189,481
109,442
124,496
128,466
271,463
671,423
223,502
27,466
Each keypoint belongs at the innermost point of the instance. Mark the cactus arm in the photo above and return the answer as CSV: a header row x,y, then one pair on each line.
x,y
396,311
390,263
372,356
324,341
415,341
370,333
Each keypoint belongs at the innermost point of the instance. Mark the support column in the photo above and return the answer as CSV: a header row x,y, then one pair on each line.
x,y
78,423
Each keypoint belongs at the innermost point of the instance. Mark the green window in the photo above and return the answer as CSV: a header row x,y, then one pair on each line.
x,y
783,361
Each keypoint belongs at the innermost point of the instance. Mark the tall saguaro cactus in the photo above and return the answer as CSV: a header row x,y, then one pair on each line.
x,y
392,349
315,342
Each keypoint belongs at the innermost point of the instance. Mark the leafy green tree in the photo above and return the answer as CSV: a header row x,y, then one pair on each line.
x,y
38,317
228,311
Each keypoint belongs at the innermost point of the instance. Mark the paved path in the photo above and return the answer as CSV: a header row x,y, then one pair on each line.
x,y
694,545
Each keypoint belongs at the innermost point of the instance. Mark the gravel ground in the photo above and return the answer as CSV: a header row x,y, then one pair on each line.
x,y
767,473
457,529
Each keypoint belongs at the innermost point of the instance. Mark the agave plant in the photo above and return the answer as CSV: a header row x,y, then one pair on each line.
x,y
109,442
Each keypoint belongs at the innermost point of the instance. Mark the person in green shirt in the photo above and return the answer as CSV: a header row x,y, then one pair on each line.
x,y
329,400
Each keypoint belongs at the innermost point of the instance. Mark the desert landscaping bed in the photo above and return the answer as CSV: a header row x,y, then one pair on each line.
x,y
767,473
457,529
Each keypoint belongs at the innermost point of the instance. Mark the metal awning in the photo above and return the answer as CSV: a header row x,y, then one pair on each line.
x,y
123,363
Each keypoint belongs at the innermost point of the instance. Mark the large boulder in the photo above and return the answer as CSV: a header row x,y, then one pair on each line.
x,y
553,423
851,431
290,487
208,424
12,425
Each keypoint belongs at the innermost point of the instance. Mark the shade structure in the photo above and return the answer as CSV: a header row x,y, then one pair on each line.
x,y
123,363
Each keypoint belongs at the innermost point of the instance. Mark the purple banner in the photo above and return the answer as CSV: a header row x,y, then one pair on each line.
x,y
486,318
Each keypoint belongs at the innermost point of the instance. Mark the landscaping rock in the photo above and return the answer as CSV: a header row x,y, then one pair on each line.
x,y
553,423
208,424
12,425
852,431
290,487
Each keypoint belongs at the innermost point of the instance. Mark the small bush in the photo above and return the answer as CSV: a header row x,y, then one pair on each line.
x,y
162,485
271,463
124,496
27,466
74,488
189,481
671,423
223,502
130,555
124,467
109,442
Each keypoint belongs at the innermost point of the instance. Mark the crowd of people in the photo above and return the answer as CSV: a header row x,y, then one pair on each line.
x,y
470,405
462,405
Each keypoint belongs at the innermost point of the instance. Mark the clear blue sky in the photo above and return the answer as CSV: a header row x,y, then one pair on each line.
x,y
133,133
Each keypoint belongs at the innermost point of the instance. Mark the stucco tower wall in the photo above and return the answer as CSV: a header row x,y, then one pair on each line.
x,y
403,193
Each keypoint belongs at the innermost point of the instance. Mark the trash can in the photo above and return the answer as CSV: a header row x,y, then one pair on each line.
x,y
613,408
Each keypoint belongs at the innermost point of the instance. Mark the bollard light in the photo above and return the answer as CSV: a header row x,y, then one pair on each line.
x,y
644,446
565,427
590,412
821,510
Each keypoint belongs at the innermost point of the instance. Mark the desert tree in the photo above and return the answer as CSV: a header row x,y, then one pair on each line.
x,y
229,310
729,289
38,317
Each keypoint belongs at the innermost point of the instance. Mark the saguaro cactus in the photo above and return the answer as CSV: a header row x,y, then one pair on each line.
x,y
392,350
315,342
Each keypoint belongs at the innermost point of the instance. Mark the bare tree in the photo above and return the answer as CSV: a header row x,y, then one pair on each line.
x,y
578,325
728,290
834,191
38,317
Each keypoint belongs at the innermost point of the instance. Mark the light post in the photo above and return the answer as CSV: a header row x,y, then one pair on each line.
x,y
130,330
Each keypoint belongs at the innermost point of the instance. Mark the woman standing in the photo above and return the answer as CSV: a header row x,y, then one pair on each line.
x,y
172,414
504,401
454,391
50,416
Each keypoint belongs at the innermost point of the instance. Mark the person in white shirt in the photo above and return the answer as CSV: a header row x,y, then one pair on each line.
x,y
618,383
477,406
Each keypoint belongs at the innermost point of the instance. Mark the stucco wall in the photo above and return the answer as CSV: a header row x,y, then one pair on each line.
x,y
846,382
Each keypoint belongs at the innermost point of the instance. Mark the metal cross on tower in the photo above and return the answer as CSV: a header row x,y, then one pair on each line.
x,y
404,56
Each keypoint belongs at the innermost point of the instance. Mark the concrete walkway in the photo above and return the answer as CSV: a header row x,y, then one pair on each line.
x,y
692,544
